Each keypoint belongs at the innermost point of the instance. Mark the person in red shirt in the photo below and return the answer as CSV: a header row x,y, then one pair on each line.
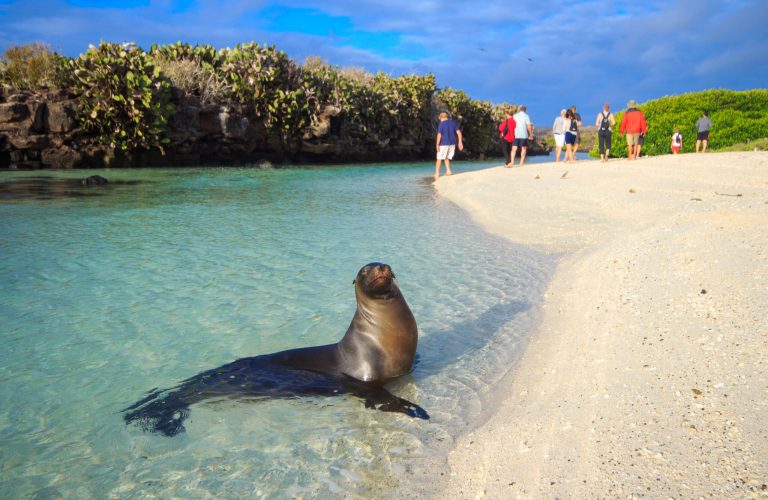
x,y
507,136
633,124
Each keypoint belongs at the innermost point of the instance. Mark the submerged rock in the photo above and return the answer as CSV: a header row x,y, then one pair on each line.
x,y
94,180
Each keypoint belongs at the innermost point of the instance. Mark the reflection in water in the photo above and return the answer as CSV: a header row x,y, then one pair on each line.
x,y
47,187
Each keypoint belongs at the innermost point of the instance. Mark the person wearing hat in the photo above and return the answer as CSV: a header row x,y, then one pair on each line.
x,y
633,124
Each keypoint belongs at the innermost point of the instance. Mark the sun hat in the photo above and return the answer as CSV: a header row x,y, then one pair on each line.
x,y
632,103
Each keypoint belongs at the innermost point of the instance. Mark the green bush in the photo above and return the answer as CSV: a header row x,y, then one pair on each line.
x,y
123,96
31,66
478,126
266,78
737,117
194,70
378,107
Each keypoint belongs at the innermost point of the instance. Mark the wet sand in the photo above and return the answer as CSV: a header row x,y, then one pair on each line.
x,y
648,376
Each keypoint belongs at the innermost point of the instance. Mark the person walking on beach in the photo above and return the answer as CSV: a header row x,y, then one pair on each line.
x,y
576,117
571,132
523,132
632,124
703,124
448,137
677,141
558,130
507,136
640,144
604,122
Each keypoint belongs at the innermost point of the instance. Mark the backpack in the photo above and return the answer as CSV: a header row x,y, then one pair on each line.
x,y
605,123
505,130
574,125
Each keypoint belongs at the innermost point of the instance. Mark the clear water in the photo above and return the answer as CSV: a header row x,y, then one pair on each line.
x,y
107,296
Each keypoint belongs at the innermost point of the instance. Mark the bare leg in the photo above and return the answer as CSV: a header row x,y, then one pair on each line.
x,y
630,152
698,145
437,169
558,150
704,144
512,159
447,166
522,155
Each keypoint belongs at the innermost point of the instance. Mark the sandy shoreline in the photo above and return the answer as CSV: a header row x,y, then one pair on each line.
x,y
649,374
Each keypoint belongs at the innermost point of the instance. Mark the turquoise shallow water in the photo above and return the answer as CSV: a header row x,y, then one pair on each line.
x,y
176,271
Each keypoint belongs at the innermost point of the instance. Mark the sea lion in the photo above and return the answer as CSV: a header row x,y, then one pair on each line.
x,y
379,346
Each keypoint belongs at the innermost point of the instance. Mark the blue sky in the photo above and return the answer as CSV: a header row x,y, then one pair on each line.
x,y
547,55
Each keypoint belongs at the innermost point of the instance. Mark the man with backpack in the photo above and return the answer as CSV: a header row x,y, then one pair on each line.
x,y
604,122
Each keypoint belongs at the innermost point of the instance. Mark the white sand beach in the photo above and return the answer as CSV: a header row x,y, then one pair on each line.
x,y
648,376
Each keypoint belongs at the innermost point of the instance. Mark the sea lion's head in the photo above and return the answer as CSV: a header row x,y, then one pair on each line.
x,y
376,280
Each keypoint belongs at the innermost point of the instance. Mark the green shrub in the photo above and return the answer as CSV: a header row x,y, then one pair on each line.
x,y
266,78
478,126
406,101
123,96
378,106
737,117
30,67
193,70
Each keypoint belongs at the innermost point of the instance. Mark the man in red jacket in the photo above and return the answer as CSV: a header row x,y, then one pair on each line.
x,y
507,136
633,124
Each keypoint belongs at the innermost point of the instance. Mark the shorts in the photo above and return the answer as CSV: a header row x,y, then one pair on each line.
x,y
702,136
675,149
570,138
520,143
559,140
632,139
446,152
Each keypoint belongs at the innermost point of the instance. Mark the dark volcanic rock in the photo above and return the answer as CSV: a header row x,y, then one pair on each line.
x,y
94,180
12,112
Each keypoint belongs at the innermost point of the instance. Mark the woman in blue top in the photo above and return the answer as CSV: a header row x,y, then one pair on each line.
x,y
571,132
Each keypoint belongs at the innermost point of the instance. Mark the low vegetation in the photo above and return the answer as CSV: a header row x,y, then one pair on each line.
x,y
124,92
31,66
738,118
124,96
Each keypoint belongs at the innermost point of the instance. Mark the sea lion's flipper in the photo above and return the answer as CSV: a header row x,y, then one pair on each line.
x,y
164,415
379,398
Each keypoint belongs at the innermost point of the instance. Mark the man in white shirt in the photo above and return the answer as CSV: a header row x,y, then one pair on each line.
x,y
523,132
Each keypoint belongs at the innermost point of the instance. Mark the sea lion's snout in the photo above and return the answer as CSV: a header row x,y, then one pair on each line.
x,y
376,278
